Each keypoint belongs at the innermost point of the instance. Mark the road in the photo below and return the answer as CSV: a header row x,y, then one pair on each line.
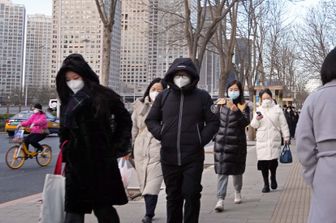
x,y
15,109
28,179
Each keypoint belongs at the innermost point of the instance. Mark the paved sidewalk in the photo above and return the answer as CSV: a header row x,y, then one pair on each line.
x,y
288,204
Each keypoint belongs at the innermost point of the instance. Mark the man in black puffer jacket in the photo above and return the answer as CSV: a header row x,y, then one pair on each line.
x,y
182,120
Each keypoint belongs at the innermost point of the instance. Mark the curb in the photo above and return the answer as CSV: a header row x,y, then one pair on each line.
x,y
29,199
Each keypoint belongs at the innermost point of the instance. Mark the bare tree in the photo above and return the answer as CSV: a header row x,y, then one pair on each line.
x,y
316,36
194,30
225,42
251,67
106,13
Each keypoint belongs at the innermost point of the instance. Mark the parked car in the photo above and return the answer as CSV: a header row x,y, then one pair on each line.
x,y
12,122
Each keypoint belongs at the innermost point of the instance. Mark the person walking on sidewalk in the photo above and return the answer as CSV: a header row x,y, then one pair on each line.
x,y
92,176
230,142
270,123
182,120
316,144
147,150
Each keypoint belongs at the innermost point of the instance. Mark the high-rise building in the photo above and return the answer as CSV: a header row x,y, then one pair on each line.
x,y
135,44
77,28
38,51
12,24
150,41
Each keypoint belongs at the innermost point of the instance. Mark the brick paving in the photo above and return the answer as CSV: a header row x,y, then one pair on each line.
x,y
288,204
294,202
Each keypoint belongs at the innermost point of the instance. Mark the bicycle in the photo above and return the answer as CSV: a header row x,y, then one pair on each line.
x,y
18,154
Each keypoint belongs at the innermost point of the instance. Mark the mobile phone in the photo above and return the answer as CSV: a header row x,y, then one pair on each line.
x,y
258,113
229,102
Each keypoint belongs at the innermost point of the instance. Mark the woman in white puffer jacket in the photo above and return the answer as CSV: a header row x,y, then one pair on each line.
x,y
270,123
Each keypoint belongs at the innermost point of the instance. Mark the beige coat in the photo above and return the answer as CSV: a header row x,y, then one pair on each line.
x,y
268,139
146,151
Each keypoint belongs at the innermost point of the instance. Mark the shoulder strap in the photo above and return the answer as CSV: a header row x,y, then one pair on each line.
x,y
276,127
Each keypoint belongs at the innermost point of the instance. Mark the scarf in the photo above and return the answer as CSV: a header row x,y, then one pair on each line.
x,y
76,102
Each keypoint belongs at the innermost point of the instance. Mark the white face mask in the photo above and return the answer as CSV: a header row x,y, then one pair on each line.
x,y
266,103
181,81
153,95
36,110
75,85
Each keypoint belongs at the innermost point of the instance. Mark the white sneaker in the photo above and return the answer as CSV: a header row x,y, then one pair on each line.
x,y
237,198
220,205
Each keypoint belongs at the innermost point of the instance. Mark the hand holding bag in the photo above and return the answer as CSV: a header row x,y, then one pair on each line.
x,y
126,169
286,155
53,195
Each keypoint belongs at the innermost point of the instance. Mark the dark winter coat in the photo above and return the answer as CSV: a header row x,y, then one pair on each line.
x,y
230,141
181,118
92,175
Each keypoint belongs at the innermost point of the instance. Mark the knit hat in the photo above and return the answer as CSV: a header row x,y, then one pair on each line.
x,y
38,106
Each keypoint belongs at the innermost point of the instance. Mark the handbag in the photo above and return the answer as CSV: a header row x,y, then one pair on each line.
x,y
286,155
53,195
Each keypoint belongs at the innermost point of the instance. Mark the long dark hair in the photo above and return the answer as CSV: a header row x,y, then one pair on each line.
x,y
101,96
240,99
156,80
267,91
328,69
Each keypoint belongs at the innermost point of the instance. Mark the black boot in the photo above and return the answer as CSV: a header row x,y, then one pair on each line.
x,y
273,167
274,184
266,188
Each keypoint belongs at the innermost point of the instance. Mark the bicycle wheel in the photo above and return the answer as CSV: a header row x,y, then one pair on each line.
x,y
43,158
15,157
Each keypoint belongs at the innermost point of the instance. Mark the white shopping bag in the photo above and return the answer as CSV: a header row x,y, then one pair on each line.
x,y
53,197
125,168
18,136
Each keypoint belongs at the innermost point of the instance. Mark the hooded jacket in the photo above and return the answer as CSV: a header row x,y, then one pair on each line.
x,y
92,175
181,117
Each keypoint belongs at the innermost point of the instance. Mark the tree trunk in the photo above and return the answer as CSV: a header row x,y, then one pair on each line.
x,y
105,71
222,82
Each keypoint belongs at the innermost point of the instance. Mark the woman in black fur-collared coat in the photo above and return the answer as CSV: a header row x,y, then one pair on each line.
x,y
230,142
93,180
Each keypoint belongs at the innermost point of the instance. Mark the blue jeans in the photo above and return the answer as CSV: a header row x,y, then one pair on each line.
x,y
223,182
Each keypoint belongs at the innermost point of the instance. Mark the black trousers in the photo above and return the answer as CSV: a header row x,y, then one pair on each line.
x,y
150,202
104,215
33,139
183,186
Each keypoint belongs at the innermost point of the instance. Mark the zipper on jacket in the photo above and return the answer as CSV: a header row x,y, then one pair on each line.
x,y
162,128
226,124
179,162
199,134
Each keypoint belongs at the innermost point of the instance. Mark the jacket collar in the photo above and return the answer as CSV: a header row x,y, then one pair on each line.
x,y
330,84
